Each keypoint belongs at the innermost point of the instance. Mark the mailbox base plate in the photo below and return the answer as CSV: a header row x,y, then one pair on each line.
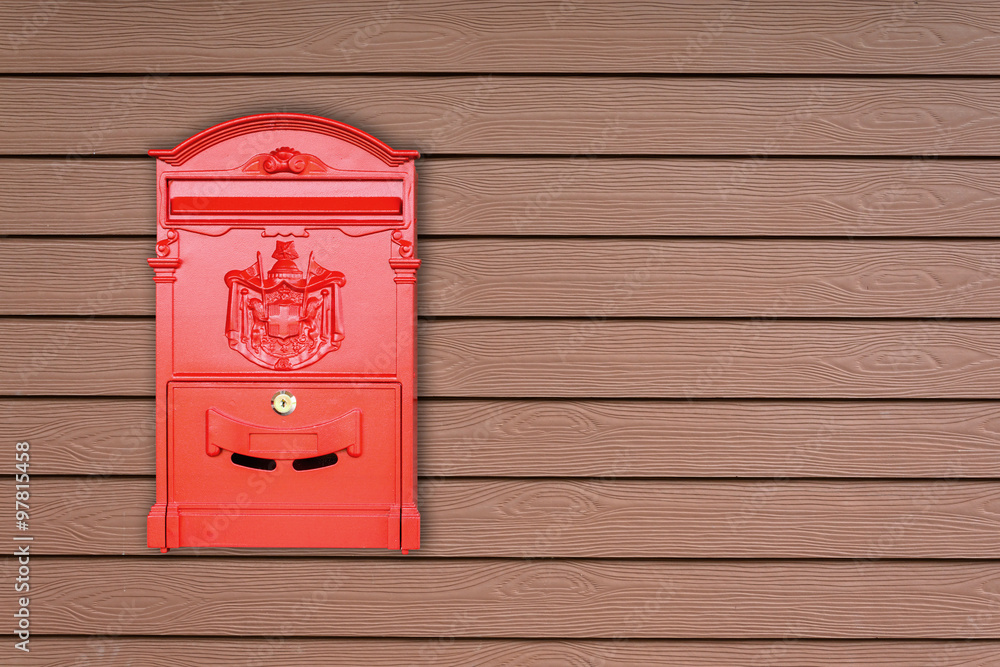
x,y
317,529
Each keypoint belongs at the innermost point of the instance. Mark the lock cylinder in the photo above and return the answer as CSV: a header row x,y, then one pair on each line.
x,y
283,403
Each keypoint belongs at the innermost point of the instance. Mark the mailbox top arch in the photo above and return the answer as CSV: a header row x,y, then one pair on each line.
x,y
275,122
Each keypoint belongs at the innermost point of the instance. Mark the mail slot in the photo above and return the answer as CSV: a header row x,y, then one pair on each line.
x,y
285,275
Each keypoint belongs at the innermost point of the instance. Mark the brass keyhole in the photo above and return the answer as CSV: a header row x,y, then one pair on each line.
x,y
283,403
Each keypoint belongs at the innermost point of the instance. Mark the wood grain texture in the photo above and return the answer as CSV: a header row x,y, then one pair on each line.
x,y
551,36
578,358
578,196
606,439
701,358
771,439
78,196
750,196
520,114
579,277
78,277
77,356
446,652
658,538
777,518
80,436
524,599
686,278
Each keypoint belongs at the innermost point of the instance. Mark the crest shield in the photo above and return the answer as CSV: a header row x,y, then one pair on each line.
x,y
285,319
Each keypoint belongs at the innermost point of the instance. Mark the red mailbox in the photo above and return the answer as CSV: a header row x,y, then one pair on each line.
x,y
285,304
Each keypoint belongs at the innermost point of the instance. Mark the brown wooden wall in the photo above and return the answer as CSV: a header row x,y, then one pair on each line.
x,y
710,363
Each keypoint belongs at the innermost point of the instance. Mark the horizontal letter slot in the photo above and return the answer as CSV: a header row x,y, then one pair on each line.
x,y
286,205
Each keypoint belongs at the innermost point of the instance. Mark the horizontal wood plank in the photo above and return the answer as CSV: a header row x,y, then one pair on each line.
x,y
703,358
608,439
710,197
578,196
75,116
428,36
579,277
524,599
593,358
73,195
633,439
862,520
120,651
81,436
77,356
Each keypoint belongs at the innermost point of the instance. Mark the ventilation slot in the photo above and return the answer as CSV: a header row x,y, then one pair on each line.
x,y
253,462
315,462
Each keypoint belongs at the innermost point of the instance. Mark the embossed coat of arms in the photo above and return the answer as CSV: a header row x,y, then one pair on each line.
x,y
285,319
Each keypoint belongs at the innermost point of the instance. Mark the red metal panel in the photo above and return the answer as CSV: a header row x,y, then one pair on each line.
x,y
285,377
